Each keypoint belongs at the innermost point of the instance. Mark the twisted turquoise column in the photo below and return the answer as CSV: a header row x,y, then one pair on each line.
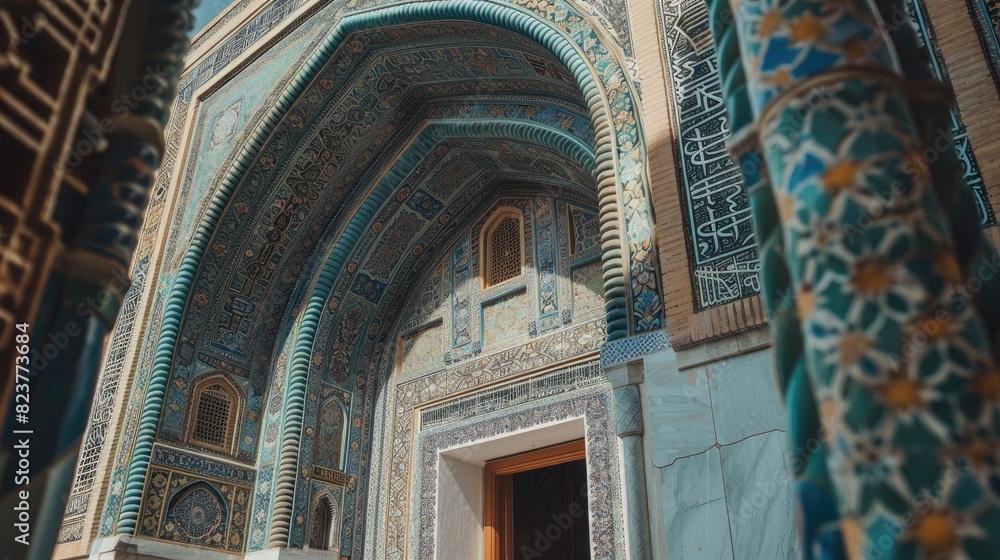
x,y
813,491
891,384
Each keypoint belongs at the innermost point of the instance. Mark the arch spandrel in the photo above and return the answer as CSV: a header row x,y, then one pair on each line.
x,y
622,193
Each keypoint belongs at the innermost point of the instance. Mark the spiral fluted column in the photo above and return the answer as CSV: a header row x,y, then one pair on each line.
x,y
885,360
84,293
812,490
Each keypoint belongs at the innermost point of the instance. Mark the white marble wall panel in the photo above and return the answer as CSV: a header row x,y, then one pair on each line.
x,y
680,409
695,518
744,396
759,496
717,440
459,509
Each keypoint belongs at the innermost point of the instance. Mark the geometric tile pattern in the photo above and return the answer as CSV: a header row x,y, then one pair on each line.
x,y
330,435
583,334
440,279
203,513
446,299
337,354
224,125
491,400
209,155
202,505
422,348
588,288
505,319
476,295
628,349
545,257
103,407
192,500
585,227
395,473
237,43
895,431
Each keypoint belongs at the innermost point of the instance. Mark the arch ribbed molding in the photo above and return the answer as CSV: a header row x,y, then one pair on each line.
x,y
601,162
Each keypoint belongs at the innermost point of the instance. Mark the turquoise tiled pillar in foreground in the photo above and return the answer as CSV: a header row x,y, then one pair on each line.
x,y
871,280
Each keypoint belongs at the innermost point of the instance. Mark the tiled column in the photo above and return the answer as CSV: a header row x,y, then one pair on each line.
x,y
83,294
893,394
628,422
812,488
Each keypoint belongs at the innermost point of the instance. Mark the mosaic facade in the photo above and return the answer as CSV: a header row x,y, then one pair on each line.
x,y
604,490
500,317
578,340
194,500
316,236
160,202
219,123
421,349
512,394
103,409
367,285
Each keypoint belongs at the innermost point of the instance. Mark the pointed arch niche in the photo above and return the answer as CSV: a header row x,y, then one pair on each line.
x,y
324,524
330,225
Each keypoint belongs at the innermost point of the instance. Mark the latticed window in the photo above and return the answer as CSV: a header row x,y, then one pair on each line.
x,y
214,417
504,251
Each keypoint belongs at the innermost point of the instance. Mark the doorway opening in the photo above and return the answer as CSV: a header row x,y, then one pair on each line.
x,y
537,507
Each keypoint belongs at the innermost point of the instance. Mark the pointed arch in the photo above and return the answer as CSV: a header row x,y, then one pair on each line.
x,y
630,270
198,509
324,523
328,450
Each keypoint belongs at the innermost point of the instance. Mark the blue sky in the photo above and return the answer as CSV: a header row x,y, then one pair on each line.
x,y
205,11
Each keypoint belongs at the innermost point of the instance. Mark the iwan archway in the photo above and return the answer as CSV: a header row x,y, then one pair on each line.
x,y
375,176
